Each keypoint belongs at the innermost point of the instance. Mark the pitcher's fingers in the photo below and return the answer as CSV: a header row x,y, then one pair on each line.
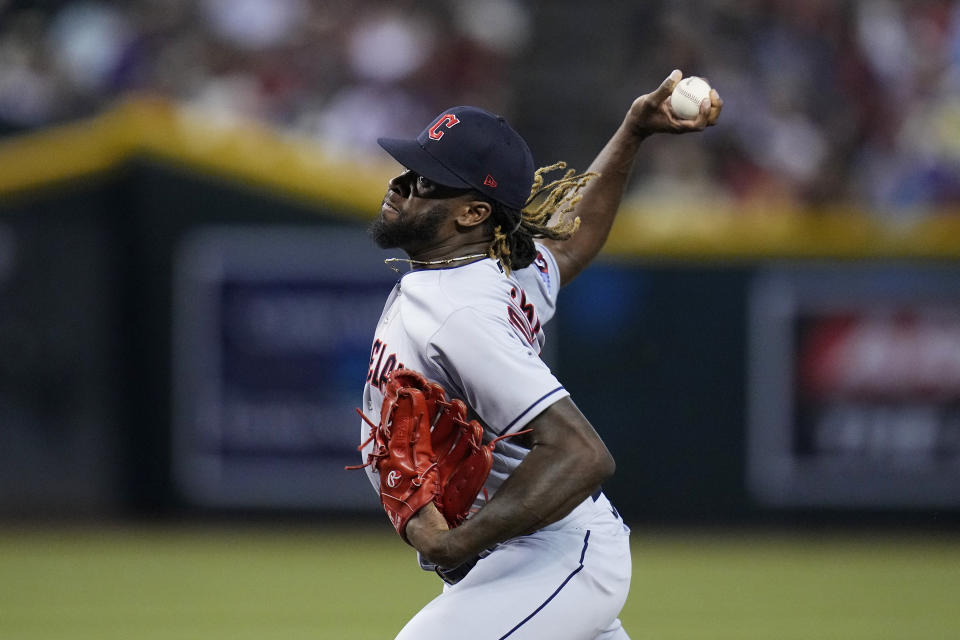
x,y
666,87
716,106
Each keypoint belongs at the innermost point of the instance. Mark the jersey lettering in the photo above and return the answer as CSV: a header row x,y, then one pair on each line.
x,y
517,320
523,316
447,120
388,366
377,376
373,354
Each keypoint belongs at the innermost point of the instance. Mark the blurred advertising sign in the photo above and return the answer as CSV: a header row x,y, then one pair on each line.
x,y
7,252
854,387
272,339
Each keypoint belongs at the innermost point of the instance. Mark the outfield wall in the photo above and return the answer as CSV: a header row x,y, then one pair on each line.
x,y
186,313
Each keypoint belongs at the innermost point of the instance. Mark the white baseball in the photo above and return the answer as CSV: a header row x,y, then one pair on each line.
x,y
687,96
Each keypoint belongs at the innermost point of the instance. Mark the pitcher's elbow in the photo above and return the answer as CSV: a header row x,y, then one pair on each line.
x,y
603,466
608,466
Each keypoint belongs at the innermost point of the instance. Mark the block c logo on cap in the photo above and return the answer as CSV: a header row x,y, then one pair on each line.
x,y
448,120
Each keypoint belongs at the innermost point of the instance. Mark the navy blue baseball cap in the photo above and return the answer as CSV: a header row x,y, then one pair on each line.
x,y
470,148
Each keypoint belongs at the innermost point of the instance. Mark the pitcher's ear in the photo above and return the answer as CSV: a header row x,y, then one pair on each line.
x,y
474,213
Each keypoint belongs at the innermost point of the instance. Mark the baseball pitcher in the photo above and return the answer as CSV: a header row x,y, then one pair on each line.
x,y
482,460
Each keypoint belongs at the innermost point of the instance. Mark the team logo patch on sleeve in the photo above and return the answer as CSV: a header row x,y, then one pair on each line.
x,y
541,263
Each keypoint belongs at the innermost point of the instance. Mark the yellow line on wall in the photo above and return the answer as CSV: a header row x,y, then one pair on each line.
x,y
258,155
242,150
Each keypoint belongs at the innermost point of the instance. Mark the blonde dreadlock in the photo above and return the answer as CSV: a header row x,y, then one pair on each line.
x,y
514,248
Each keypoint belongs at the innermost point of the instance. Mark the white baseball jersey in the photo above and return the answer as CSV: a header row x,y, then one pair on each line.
x,y
478,333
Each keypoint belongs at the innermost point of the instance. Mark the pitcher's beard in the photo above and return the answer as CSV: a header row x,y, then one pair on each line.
x,y
407,234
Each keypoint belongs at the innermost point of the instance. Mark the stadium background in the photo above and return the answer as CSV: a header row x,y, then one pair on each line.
x,y
770,346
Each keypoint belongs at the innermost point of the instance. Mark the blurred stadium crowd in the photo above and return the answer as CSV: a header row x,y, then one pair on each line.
x,y
852,103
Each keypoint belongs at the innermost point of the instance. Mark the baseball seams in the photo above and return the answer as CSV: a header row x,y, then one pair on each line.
x,y
689,96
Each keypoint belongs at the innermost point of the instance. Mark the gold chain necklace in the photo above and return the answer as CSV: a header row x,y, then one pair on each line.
x,y
431,262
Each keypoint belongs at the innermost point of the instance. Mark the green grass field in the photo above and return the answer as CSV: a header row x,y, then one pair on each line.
x,y
246,582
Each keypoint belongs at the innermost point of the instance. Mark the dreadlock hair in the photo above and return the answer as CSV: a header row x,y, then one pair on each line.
x,y
514,230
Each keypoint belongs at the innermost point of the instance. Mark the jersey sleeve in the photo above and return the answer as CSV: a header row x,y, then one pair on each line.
x,y
541,281
489,366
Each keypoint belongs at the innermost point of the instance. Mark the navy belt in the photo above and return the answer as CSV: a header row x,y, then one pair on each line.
x,y
455,575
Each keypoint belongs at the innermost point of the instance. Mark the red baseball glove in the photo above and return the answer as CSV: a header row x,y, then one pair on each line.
x,y
424,450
